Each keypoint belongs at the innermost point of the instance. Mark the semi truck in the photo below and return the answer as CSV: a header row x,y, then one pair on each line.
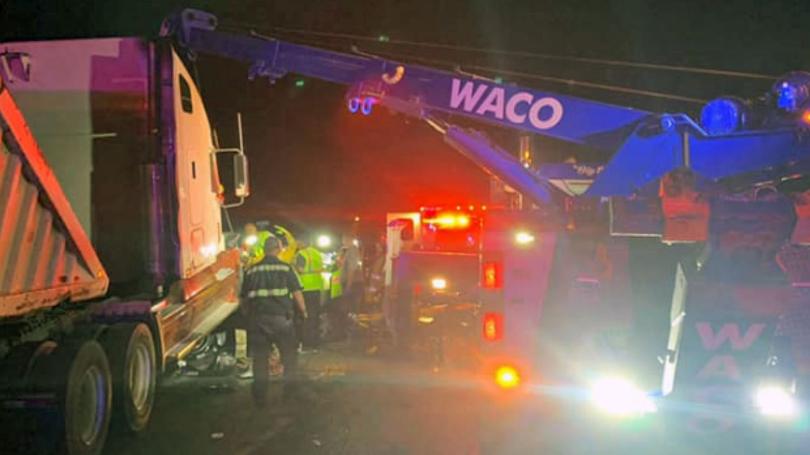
x,y
114,261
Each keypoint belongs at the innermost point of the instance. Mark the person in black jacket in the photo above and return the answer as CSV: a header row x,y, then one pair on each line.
x,y
270,292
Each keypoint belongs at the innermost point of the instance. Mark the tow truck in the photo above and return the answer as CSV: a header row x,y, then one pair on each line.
x,y
720,204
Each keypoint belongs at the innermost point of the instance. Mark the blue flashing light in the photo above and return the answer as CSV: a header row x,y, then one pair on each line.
x,y
787,97
722,116
792,91
354,105
368,105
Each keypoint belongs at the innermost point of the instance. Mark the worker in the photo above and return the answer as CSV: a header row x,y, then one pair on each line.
x,y
375,279
270,293
335,309
309,264
352,275
253,244
288,244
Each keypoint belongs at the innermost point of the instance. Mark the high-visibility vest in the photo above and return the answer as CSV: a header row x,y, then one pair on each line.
x,y
335,286
311,278
287,253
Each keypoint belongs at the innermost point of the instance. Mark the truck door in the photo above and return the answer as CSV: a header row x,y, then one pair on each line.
x,y
199,222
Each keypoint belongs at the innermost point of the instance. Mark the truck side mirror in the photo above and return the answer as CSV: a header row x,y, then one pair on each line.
x,y
240,176
233,166
235,183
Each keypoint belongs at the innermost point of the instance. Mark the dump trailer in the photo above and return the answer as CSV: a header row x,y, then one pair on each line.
x,y
113,259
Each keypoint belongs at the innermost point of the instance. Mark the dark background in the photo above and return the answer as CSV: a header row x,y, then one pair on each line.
x,y
312,161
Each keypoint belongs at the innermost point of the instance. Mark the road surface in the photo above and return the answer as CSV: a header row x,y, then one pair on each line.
x,y
361,404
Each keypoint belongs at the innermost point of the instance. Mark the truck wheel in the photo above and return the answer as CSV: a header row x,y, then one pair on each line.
x,y
131,351
78,376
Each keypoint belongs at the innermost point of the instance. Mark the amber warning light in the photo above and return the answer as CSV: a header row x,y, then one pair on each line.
x,y
507,377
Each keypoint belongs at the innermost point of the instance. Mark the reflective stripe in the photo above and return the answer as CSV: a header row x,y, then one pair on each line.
x,y
269,268
268,293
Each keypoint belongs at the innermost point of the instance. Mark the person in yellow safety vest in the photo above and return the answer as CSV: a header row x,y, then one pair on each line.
x,y
309,265
253,244
290,246
335,286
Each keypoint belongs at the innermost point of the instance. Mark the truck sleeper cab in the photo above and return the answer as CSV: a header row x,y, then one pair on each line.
x,y
128,146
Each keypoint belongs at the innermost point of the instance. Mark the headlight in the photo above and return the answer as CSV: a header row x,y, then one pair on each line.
x,y
438,284
524,238
324,241
251,240
776,401
619,397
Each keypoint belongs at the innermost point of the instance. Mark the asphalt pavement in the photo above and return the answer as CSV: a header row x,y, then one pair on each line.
x,y
356,403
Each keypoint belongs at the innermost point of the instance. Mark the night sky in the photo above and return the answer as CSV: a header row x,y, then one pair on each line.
x,y
310,158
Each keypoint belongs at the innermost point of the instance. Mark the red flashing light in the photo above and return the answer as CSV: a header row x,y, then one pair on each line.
x,y
450,221
493,326
491,275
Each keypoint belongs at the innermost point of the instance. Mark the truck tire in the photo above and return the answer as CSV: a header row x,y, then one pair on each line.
x,y
131,350
78,376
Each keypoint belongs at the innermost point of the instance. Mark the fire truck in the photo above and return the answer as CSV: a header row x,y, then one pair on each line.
x,y
679,255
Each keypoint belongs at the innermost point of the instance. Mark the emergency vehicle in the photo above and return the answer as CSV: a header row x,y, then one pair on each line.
x,y
720,204
515,271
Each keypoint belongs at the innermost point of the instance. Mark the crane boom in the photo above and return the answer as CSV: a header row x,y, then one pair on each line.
x,y
419,90
643,146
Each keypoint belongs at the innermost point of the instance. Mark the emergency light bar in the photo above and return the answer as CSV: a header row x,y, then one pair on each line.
x,y
449,220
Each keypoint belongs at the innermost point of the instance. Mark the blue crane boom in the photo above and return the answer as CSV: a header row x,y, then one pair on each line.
x,y
644,146
416,89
